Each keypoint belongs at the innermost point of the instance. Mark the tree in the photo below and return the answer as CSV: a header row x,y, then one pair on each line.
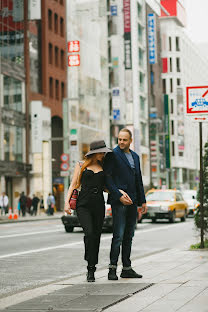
x,y
205,194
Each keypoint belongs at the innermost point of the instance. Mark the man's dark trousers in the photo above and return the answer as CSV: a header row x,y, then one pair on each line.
x,y
124,220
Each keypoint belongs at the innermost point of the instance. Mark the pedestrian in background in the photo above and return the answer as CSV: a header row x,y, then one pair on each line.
x,y
124,182
29,204
41,203
4,202
90,203
23,203
51,204
34,207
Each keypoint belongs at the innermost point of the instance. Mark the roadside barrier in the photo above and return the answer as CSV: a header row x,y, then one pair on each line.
x,y
10,213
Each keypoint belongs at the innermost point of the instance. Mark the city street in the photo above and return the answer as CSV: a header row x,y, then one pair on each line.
x,y
38,253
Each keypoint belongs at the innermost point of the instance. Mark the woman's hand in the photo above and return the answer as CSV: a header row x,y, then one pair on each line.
x,y
67,208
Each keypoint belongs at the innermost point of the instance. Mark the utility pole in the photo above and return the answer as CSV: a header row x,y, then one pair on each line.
x,y
201,188
27,90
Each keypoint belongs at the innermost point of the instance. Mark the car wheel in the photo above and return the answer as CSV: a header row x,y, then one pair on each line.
x,y
154,220
172,217
183,219
69,228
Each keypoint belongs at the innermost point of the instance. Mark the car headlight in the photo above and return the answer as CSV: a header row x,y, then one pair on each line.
x,y
164,208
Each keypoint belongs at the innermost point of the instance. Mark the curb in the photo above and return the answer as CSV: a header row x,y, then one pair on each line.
x,y
29,220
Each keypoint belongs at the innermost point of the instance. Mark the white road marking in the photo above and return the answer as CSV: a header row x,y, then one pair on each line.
x,y
81,242
30,233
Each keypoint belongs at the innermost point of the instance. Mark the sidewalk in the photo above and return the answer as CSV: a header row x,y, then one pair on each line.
x,y
173,280
27,218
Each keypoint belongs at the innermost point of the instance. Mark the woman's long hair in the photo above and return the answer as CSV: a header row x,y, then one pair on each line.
x,y
87,162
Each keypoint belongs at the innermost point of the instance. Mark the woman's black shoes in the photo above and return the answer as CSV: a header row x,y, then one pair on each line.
x,y
91,274
112,275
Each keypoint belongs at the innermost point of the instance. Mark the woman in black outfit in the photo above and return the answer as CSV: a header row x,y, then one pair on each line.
x,y
90,203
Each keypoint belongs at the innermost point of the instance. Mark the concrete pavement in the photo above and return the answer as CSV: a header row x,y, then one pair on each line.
x,y
173,280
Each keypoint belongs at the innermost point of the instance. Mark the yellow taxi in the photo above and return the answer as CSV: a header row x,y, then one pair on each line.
x,y
165,204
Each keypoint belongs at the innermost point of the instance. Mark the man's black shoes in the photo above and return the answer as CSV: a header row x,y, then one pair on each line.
x,y
112,276
130,274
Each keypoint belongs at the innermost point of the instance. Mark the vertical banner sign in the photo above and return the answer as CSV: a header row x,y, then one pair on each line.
x,y
167,131
152,38
127,34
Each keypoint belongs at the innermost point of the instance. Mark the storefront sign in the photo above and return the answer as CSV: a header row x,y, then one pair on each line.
x,y
127,34
167,131
34,9
73,60
152,38
73,46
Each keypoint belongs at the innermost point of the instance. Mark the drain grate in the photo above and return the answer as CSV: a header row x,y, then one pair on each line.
x,y
127,296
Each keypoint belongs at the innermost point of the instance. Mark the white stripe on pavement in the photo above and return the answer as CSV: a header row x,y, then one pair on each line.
x,y
30,233
81,242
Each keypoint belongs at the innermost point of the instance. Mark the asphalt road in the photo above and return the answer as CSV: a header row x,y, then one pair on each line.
x,y
38,253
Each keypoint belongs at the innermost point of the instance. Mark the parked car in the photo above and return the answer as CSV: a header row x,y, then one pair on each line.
x,y
165,204
190,197
71,221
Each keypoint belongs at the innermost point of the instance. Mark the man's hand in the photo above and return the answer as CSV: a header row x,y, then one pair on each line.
x,y
125,199
144,208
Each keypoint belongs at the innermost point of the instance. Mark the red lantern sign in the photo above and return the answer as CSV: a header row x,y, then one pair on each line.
x,y
73,46
73,60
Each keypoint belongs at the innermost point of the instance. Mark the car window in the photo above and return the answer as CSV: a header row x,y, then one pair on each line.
x,y
179,197
160,196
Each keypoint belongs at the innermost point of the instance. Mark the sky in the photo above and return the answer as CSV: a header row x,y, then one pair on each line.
x,y
197,26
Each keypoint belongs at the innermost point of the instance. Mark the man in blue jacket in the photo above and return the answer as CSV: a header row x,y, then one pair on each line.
x,y
124,182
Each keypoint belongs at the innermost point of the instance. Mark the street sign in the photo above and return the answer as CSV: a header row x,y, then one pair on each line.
x,y
113,10
116,114
197,100
73,60
65,157
64,173
73,46
64,166
203,118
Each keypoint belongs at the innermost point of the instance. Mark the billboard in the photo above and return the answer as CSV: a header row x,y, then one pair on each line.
x,y
175,8
197,100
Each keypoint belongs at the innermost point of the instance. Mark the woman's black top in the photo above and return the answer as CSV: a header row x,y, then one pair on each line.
x,y
92,186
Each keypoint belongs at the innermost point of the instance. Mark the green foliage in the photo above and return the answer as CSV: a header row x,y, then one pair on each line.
x,y
205,193
198,245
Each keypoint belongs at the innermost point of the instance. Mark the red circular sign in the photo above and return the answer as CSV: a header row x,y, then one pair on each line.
x,y
65,157
64,166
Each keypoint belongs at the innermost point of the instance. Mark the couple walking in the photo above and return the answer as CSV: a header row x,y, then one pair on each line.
x,y
117,172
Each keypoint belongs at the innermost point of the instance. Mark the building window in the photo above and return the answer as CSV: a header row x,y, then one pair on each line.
x,y
178,81
142,105
50,19
51,87
170,44
172,127
57,89
62,90
177,44
62,27
139,10
13,143
171,65
140,33
164,85
143,134
62,59
50,53
56,23
180,154
171,106
178,68
56,56
141,81
173,148
141,57
12,93
171,85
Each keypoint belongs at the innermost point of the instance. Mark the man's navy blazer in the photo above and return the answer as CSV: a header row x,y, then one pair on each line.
x,y
120,175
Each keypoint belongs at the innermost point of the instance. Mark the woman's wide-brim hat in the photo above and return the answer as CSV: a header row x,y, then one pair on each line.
x,y
98,147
